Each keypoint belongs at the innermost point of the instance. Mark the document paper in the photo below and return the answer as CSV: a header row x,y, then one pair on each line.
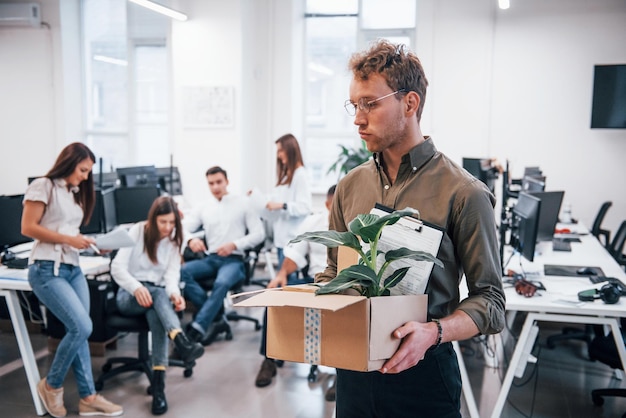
x,y
115,239
414,235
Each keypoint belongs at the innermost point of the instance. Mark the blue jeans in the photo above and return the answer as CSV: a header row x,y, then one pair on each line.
x,y
67,297
161,318
228,271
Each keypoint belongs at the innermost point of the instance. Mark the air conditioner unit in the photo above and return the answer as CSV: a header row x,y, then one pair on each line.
x,y
20,14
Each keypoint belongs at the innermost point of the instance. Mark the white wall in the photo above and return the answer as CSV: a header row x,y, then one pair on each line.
x,y
512,84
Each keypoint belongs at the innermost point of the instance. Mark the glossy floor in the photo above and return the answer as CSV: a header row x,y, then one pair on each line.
x,y
222,384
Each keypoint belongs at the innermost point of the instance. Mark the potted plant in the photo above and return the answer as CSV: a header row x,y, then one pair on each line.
x,y
367,277
349,158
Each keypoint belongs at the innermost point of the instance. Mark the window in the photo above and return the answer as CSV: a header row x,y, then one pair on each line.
x,y
334,31
125,83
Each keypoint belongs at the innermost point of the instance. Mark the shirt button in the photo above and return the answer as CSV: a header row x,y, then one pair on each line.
x,y
414,168
386,187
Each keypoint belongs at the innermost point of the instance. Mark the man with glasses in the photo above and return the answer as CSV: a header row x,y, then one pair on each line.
x,y
422,378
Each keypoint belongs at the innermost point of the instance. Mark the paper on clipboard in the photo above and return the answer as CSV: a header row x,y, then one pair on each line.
x,y
414,235
115,239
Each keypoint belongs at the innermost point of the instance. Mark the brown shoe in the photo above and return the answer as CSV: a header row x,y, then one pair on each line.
x,y
52,399
267,372
99,406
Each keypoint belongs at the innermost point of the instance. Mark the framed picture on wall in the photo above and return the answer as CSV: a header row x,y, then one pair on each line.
x,y
208,107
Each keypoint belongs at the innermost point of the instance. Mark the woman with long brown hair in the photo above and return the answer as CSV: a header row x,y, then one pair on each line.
x,y
148,275
55,206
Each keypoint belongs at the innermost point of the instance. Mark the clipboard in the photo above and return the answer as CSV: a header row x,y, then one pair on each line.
x,y
414,234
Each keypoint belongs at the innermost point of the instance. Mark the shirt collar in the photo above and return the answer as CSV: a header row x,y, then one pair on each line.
x,y
416,157
63,183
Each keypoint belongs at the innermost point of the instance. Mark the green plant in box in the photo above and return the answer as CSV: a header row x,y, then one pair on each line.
x,y
367,277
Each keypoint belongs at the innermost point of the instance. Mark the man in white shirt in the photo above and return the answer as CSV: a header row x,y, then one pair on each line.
x,y
231,226
297,256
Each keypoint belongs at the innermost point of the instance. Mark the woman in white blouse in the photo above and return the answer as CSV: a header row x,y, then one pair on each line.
x,y
148,275
55,206
291,199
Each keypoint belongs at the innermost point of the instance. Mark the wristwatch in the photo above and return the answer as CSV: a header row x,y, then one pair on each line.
x,y
284,206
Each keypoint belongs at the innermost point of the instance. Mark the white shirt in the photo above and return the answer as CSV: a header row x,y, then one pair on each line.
x,y
297,195
297,251
131,265
231,219
62,214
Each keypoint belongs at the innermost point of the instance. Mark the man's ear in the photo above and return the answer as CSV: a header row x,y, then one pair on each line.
x,y
412,102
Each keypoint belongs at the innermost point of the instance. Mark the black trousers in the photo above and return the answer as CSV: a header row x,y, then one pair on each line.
x,y
430,389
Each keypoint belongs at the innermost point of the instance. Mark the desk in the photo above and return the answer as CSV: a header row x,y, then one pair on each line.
x,y
12,281
550,306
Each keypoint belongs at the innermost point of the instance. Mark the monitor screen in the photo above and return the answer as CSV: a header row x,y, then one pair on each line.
x,y
549,213
608,108
109,219
525,225
138,176
482,169
533,184
95,223
169,180
133,203
11,221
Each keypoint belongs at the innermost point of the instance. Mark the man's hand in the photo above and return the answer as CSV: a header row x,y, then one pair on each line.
x,y
196,245
226,249
279,281
416,338
143,296
178,301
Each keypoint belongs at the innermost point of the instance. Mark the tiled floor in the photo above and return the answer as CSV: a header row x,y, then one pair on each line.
x,y
222,384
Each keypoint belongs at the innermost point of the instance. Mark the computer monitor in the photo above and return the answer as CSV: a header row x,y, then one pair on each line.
x,y
549,213
138,176
533,184
95,225
482,169
525,224
169,180
109,217
532,171
133,203
11,222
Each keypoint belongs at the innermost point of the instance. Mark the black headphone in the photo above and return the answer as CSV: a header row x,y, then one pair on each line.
x,y
609,293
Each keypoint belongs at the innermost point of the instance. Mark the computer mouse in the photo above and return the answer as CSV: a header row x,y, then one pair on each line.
x,y
589,271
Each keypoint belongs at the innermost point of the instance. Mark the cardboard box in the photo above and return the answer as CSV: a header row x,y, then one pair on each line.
x,y
347,332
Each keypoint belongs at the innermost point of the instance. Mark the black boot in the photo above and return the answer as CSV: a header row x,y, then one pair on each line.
x,y
159,403
187,350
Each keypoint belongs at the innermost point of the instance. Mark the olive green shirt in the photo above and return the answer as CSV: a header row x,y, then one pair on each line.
x,y
449,197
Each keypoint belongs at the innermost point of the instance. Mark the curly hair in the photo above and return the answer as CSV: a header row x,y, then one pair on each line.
x,y
400,68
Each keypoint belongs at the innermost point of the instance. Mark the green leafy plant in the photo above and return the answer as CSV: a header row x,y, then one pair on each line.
x,y
366,277
349,158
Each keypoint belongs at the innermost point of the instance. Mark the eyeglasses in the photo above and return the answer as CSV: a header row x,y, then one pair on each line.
x,y
366,105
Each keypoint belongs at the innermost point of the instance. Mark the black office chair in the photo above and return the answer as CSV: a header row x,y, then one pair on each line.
x,y
603,349
616,248
596,228
137,324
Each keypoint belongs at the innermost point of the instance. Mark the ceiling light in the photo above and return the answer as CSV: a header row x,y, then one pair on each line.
x,y
161,9
503,4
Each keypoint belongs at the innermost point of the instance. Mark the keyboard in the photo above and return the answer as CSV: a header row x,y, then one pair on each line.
x,y
561,245
16,263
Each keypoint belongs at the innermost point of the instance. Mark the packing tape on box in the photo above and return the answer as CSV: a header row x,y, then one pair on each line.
x,y
312,335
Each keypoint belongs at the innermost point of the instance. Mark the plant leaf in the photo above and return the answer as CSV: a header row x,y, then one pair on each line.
x,y
395,277
414,255
353,277
358,226
330,239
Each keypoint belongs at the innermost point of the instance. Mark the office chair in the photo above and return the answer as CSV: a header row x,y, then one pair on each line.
x,y
603,349
616,248
596,228
142,363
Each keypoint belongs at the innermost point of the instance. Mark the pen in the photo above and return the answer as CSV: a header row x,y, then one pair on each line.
x,y
94,248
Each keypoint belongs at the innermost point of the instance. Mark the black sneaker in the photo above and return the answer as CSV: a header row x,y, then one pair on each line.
x,y
188,350
193,334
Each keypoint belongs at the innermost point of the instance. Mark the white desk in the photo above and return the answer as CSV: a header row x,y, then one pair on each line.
x,y
12,281
550,306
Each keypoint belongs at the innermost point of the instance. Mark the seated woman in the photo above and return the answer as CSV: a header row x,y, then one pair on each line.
x,y
148,275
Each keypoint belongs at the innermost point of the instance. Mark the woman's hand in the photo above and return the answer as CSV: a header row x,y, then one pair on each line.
x,y
143,296
179,302
80,241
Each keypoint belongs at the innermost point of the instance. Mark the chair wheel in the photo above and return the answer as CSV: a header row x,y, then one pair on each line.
x,y
99,386
149,390
106,367
188,372
279,363
228,336
257,327
597,400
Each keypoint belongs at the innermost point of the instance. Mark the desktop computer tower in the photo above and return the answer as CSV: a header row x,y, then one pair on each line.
x,y
101,293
